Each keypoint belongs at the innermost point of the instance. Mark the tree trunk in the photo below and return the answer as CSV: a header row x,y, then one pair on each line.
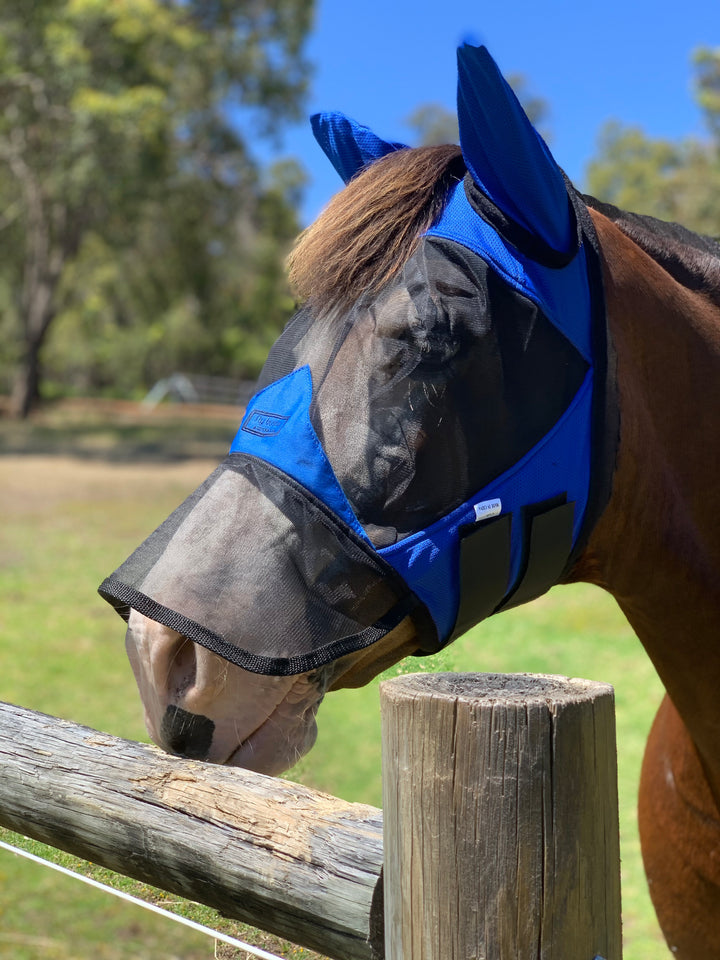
x,y
43,268
26,388
47,248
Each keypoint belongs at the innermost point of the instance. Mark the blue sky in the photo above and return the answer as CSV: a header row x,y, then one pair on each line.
x,y
628,60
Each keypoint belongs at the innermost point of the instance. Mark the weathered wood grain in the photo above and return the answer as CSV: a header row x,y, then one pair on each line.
x,y
501,823
293,861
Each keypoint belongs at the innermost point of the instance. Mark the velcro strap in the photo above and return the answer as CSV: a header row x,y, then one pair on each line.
x,y
485,561
549,544
484,570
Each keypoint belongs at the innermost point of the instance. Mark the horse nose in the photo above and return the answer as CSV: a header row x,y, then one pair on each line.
x,y
175,673
173,664
186,734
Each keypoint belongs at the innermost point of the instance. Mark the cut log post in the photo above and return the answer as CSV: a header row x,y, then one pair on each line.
x,y
295,862
501,819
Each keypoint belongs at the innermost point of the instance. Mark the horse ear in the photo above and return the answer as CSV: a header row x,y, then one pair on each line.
x,y
506,156
349,146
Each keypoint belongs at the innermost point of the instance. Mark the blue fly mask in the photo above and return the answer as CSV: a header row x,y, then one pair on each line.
x,y
437,450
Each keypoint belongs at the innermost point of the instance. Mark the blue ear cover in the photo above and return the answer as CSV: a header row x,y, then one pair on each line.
x,y
506,157
349,146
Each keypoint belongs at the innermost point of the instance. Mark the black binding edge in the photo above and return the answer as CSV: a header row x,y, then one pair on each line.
x,y
528,243
123,598
605,425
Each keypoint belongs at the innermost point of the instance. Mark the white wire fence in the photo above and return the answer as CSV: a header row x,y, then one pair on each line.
x,y
250,949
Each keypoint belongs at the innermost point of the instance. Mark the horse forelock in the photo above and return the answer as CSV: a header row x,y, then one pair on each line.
x,y
371,228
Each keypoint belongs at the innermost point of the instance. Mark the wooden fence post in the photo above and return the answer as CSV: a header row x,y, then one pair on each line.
x,y
500,818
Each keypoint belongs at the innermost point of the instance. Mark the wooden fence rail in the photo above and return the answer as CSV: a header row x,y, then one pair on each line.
x,y
296,862
501,835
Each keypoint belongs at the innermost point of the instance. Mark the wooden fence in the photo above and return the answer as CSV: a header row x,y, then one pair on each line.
x,y
500,824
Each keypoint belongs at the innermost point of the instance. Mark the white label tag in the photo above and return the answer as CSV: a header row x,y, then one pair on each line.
x,y
487,509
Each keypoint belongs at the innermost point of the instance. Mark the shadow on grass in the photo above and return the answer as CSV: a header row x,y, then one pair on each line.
x,y
122,432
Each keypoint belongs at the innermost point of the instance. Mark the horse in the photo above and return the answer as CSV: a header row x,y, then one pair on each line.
x,y
433,355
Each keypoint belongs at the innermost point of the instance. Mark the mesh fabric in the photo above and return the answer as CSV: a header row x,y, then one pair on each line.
x,y
372,430
257,570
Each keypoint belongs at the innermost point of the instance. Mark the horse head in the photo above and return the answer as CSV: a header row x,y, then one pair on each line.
x,y
417,455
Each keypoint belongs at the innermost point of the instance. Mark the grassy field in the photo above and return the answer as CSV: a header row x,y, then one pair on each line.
x,y
81,486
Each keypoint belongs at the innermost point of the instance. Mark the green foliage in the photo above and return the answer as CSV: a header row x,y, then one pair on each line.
x,y
707,63
677,181
135,215
434,124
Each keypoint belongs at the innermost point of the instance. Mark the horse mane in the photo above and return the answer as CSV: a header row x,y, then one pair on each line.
x,y
370,229
690,258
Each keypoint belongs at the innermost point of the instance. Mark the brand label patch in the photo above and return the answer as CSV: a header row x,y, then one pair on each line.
x,y
487,509
264,424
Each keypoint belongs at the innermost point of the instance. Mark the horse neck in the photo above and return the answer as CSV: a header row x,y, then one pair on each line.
x,y
657,546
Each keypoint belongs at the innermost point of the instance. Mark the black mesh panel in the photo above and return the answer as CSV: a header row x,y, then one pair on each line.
x,y
255,568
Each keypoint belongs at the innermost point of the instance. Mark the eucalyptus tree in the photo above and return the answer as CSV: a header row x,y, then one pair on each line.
x,y
673,180
125,136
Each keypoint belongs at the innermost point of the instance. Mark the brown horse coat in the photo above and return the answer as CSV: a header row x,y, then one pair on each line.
x,y
657,550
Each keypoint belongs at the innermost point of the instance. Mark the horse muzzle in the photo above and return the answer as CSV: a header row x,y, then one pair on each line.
x,y
199,706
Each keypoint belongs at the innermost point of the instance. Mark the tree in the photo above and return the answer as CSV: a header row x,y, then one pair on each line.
x,y
677,181
120,166
707,63
434,124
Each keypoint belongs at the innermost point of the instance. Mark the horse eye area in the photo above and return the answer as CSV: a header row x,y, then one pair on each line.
x,y
436,353
452,290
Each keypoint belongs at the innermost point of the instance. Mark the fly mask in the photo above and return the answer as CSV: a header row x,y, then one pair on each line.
x,y
440,450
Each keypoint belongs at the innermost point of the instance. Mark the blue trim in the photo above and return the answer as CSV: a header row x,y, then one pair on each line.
x,y
349,145
563,295
559,464
293,447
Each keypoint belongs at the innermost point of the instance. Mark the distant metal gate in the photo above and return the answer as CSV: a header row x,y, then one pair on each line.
x,y
199,388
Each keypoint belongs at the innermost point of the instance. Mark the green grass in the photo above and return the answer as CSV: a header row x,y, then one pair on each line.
x,y
66,523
